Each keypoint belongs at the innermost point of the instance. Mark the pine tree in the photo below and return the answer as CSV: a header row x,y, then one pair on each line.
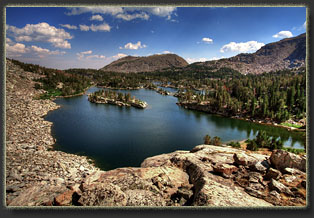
x,y
207,140
216,141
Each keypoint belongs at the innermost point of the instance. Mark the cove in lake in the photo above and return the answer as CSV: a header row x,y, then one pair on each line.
x,y
116,136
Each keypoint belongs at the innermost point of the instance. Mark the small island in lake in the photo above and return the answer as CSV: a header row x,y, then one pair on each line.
x,y
116,98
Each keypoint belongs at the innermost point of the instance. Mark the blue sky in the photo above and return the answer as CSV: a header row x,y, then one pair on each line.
x,y
92,37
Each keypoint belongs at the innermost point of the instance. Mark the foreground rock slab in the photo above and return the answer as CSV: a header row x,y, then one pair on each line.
x,y
284,159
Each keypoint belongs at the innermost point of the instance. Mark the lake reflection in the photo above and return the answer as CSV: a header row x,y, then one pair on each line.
x,y
120,137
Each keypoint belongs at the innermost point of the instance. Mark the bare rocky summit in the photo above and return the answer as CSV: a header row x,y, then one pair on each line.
x,y
214,176
151,63
288,53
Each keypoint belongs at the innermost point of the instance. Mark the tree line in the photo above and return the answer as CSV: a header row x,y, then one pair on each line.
x,y
56,82
275,96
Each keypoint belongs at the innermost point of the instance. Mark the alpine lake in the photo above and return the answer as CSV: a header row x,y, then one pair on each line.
x,y
116,136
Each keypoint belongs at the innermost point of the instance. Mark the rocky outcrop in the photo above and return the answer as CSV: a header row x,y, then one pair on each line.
x,y
151,63
205,176
134,187
283,159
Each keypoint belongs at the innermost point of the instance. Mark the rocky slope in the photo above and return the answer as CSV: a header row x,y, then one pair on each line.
x,y
145,64
29,158
285,54
205,176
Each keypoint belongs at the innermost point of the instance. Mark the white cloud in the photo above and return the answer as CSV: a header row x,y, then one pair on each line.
x,y
242,47
159,11
8,40
42,32
216,58
71,27
94,10
86,55
17,49
119,55
207,40
97,17
192,60
126,13
283,34
83,53
95,28
42,52
86,52
84,27
101,27
300,28
96,57
133,46
91,60
129,17
164,52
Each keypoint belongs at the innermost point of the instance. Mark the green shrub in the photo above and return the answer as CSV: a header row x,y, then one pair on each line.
x,y
251,145
294,150
234,144
216,141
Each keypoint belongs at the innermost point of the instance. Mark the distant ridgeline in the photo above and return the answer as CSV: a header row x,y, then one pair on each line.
x,y
269,84
116,98
287,53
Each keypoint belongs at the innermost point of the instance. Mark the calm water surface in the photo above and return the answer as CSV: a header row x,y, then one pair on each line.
x,y
120,137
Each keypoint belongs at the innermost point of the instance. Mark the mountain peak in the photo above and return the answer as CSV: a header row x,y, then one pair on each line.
x,y
286,53
133,64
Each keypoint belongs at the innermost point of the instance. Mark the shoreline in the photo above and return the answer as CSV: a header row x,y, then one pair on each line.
x,y
270,124
70,96
30,155
256,121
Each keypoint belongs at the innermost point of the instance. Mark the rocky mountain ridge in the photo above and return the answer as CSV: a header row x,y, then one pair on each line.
x,y
287,53
131,64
